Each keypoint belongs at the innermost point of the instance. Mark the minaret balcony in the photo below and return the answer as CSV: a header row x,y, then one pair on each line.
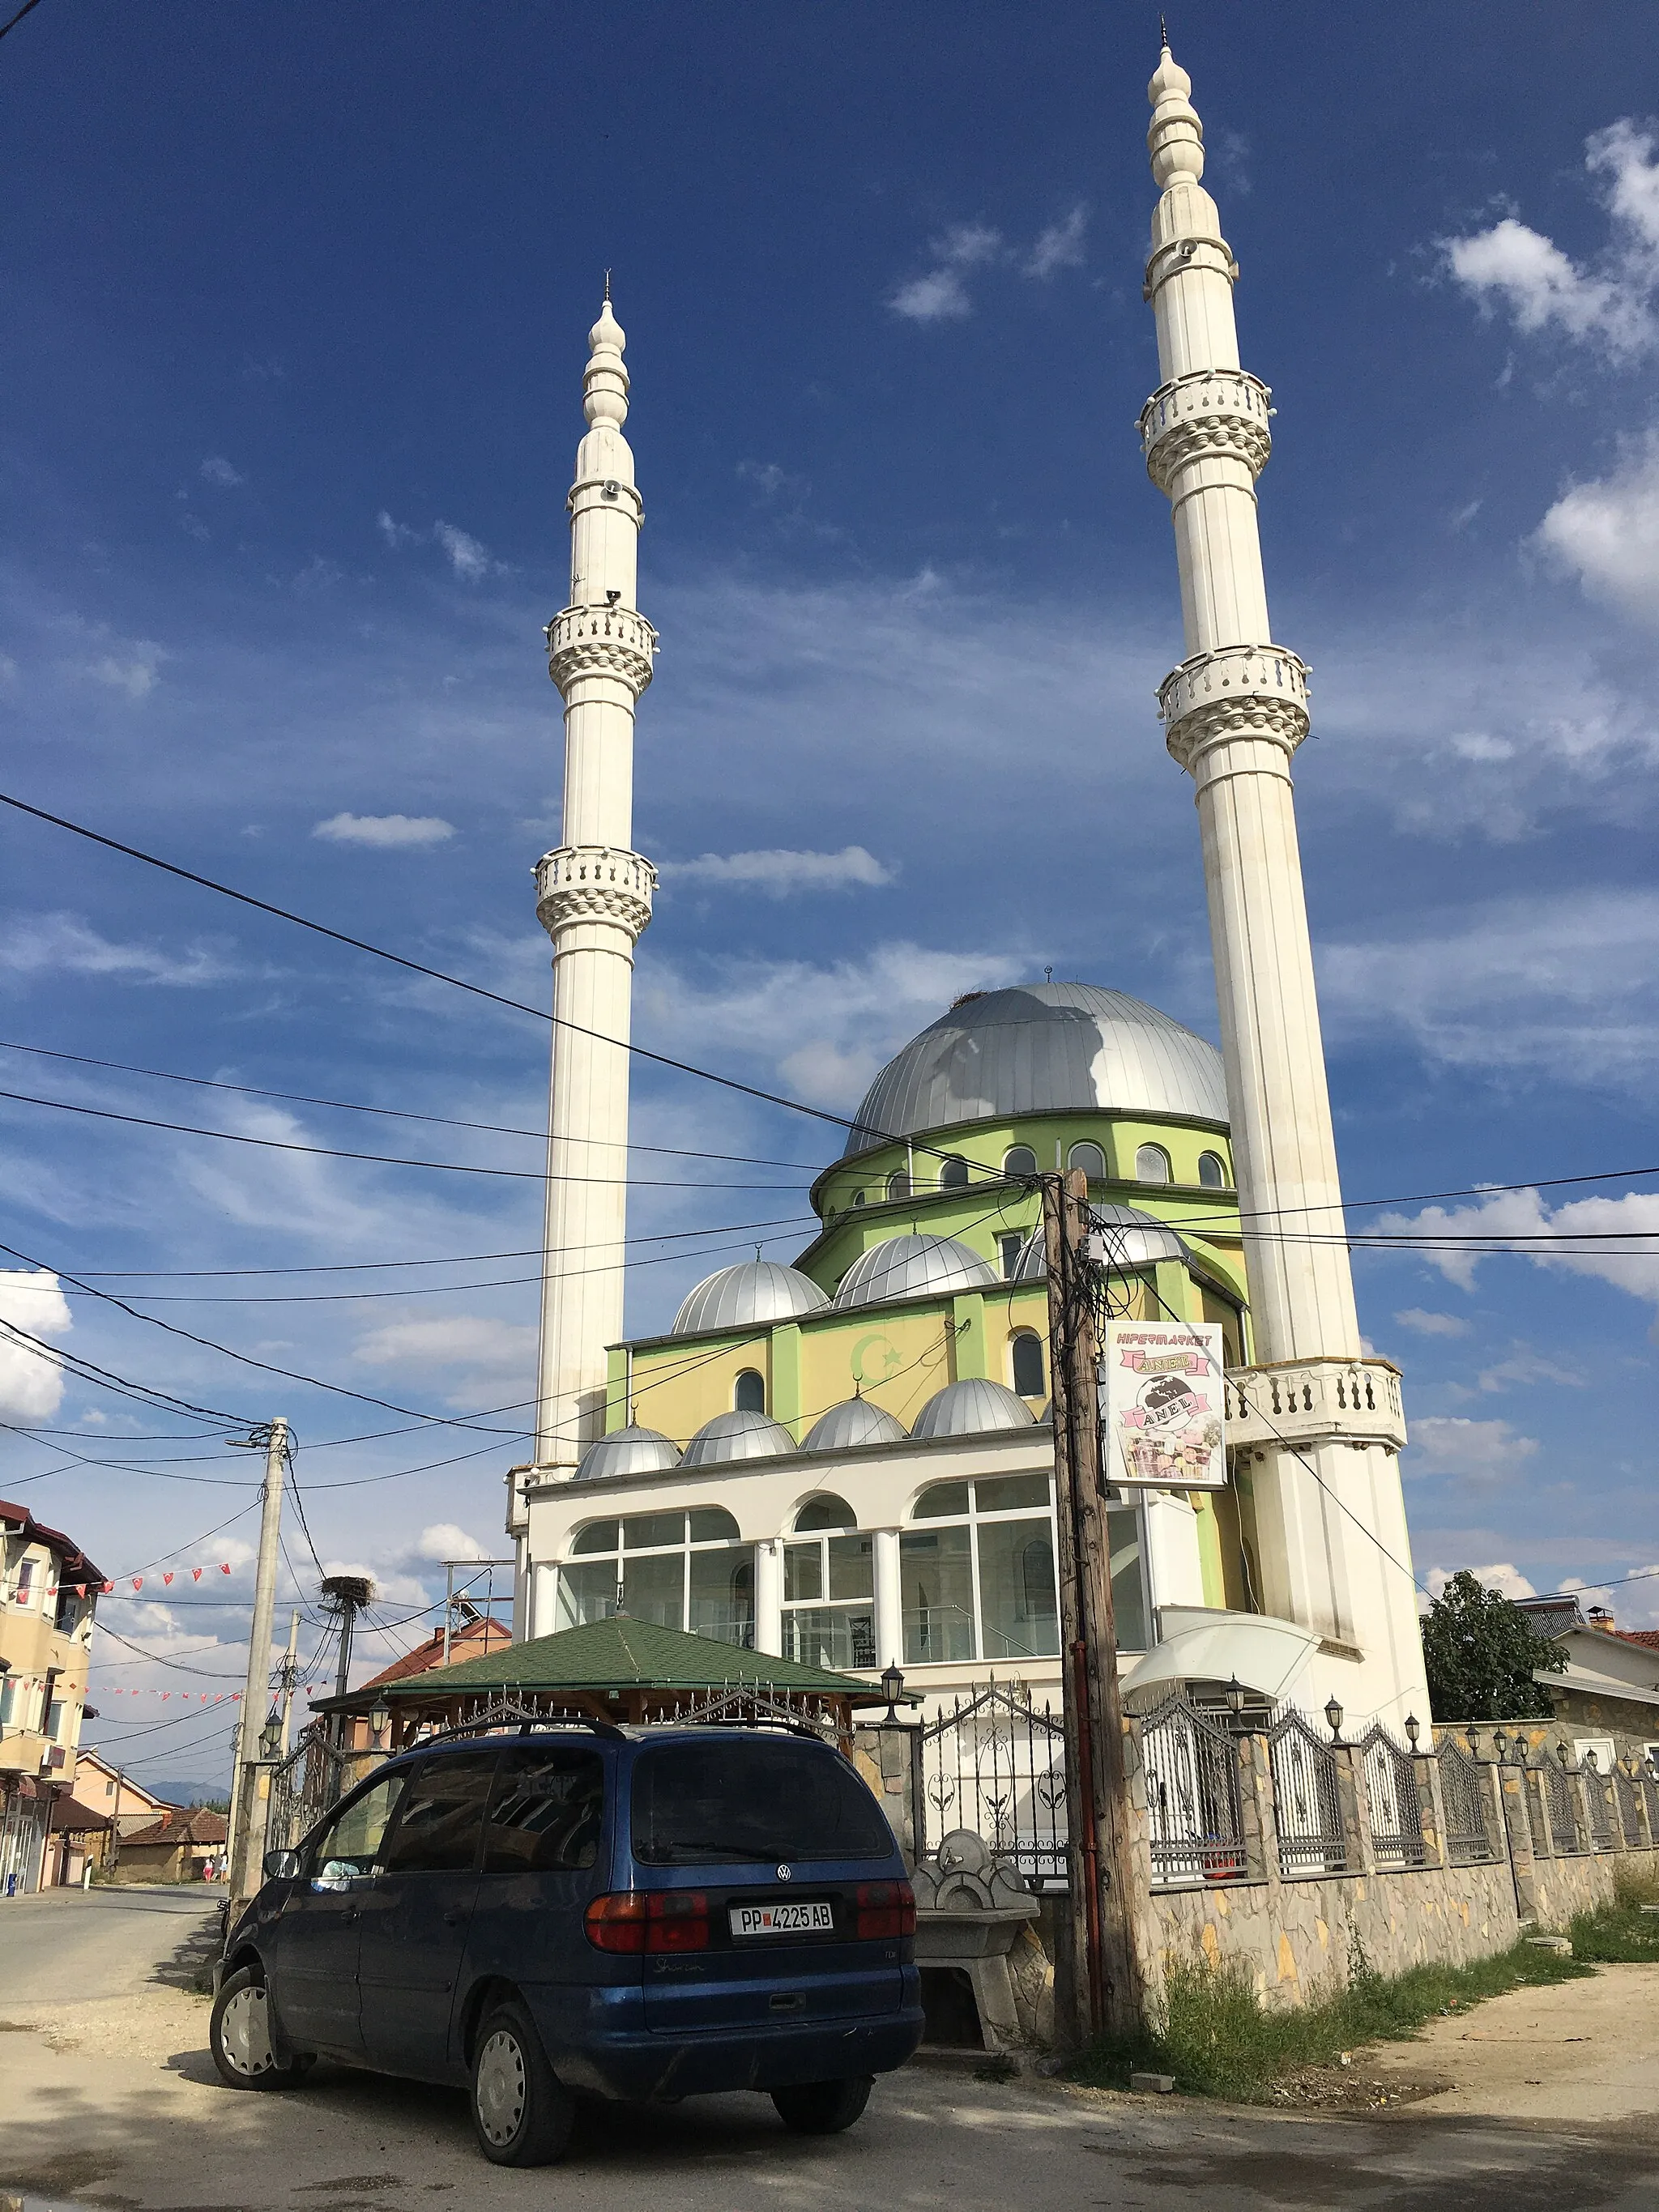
x,y
579,884
601,641
1209,414
1236,691
1305,1401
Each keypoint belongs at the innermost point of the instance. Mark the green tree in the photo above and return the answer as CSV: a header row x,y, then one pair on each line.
x,y
1481,1652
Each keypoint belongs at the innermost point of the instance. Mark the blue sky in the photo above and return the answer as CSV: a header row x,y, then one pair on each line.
x,y
294,317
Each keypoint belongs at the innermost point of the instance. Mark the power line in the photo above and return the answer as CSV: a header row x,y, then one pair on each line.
x,y
26,8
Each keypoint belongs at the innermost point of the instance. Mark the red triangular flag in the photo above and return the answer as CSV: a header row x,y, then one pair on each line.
x,y
108,1587
167,1578
137,1581
166,1694
195,1573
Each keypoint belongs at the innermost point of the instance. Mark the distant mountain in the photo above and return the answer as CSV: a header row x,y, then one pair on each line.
x,y
216,1792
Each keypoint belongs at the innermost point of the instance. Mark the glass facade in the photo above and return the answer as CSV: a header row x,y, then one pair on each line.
x,y
830,1588
678,1570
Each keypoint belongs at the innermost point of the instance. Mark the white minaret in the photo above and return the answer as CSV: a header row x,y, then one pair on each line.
x,y
593,898
1234,712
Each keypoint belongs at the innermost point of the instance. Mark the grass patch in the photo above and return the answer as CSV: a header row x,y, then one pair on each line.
x,y
1620,1934
1220,2041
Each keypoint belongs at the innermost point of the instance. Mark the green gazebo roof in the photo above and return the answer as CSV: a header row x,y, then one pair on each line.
x,y
623,1654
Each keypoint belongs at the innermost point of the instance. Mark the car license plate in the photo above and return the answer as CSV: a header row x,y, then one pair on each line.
x,y
790,1919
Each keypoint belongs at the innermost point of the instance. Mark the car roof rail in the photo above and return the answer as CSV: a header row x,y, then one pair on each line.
x,y
770,1720
521,1724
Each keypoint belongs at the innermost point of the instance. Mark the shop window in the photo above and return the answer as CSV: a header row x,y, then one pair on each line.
x,y
1212,1172
1090,1158
1020,1160
749,1392
1151,1165
680,1570
1026,1359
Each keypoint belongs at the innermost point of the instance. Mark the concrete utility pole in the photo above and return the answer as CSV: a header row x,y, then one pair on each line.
x,y
275,1439
1100,1990
290,1675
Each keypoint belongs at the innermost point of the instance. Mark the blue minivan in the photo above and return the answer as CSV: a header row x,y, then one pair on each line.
x,y
579,1908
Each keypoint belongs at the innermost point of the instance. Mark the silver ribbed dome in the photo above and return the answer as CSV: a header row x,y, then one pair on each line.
x,y
913,1267
632,1451
1042,1048
855,1421
974,1407
1134,1239
736,1436
755,1290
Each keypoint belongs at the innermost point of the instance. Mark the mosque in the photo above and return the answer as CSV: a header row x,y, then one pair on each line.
x,y
848,1460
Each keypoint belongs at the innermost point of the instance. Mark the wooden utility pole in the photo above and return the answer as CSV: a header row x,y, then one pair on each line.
x,y
1101,1992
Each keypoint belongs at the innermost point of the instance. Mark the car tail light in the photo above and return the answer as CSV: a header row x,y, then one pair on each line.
x,y
886,1908
635,1920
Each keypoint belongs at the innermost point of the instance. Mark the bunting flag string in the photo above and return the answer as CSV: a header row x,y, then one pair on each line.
x,y
107,1589
184,1696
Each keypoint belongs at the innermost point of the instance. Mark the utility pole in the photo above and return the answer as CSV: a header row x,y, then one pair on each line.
x,y
1101,1992
290,1675
275,1439
350,1594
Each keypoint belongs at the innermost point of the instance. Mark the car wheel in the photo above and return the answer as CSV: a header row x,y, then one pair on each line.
x,y
522,2113
238,2035
823,2108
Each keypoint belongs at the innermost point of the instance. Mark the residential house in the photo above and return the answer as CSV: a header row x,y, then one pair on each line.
x,y
49,1592
104,1788
1607,1698
184,1845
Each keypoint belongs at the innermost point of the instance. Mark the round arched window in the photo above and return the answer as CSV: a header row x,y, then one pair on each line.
x,y
858,1198
1151,1165
898,1184
1026,1358
749,1392
953,1175
826,1511
1020,1160
1212,1172
1090,1158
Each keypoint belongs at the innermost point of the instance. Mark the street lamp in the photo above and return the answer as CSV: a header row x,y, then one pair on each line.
x,y
1590,1761
1413,1730
1333,1718
892,1688
380,1720
1236,1698
270,1736
1563,1755
1500,1743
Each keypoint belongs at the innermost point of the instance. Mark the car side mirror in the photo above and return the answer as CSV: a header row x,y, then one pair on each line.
x,y
282,1866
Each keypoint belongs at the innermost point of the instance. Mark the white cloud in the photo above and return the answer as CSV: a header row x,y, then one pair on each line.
x,y
31,1380
941,296
396,534
1615,1240
780,872
385,830
1524,1367
455,1340
1608,303
444,1540
217,470
1506,1579
1060,245
468,559
133,672
1606,533
61,943
1479,1451
1432,1324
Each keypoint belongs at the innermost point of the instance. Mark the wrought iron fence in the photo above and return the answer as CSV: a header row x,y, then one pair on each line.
x,y
1564,1813
1600,1812
302,1788
995,1763
1649,1785
1629,1812
1463,1793
1537,1817
1394,1801
1307,1801
1194,1806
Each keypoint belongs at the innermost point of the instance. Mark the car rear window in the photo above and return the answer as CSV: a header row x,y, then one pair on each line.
x,y
754,1799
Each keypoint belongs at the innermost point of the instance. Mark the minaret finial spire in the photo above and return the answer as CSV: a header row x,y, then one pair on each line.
x,y
607,277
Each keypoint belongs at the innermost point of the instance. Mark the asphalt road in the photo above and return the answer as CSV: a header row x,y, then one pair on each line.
x,y
111,2100
95,1942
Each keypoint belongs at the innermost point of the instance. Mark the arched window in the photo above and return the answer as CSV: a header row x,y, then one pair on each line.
x,y
749,1392
828,1588
1027,1351
678,1569
1212,1172
1151,1165
1090,1158
858,1198
1020,1160
898,1184
953,1175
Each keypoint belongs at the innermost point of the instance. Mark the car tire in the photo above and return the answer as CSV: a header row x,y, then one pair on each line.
x,y
239,2036
823,2108
521,2112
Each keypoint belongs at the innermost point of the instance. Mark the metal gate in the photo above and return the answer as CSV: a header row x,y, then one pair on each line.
x,y
302,1788
995,1763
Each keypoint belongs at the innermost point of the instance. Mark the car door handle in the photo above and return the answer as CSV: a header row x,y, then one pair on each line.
x,y
452,1920
351,1912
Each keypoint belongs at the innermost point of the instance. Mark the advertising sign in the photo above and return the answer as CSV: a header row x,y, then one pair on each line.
x,y
1160,1405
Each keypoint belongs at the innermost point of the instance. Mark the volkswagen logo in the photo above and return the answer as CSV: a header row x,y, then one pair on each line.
x,y
786,1874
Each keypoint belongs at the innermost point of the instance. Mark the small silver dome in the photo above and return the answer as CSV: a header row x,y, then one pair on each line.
x,y
1032,1265
632,1451
1134,1239
913,1267
736,1436
755,1290
855,1421
1042,1048
973,1407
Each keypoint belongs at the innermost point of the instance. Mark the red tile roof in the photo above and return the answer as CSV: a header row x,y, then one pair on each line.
x,y
1647,1638
476,1640
197,1825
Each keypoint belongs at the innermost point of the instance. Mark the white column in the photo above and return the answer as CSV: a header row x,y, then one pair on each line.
x,y
1234,713
594,897
890,1607
768,1597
